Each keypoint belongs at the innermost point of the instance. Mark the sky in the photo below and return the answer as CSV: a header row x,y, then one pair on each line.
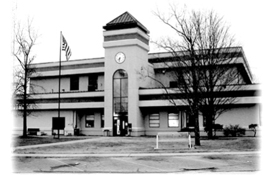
x,y
81,23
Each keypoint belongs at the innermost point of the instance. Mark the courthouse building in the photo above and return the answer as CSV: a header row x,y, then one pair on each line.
x,y
110,94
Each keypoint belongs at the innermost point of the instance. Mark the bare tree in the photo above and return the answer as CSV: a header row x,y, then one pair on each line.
x,y
202,63
24,41
218,73
183,65
220,80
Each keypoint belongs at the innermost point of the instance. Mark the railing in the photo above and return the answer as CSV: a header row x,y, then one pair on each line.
x,y
231,85
64,92
173,137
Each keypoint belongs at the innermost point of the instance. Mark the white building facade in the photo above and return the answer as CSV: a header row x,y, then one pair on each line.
x,y
110,94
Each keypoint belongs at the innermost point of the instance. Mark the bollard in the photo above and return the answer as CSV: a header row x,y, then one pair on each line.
x,y
157,141
189,139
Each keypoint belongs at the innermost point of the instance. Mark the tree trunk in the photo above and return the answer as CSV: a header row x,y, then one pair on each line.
x,y
25,106
209,125
197,129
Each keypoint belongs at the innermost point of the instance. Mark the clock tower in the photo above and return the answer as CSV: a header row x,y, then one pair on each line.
x,y
126,44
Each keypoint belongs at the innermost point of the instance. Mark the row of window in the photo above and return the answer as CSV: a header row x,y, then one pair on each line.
x,y
173,120
74,83
92,86
154,120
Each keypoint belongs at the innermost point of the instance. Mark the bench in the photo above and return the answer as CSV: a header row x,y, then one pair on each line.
x,y
33,131
173,137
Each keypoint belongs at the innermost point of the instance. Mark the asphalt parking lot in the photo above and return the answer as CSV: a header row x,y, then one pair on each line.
x,y
138,164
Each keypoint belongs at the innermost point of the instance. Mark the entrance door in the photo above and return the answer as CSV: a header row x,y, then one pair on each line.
x,y
120,125
123,125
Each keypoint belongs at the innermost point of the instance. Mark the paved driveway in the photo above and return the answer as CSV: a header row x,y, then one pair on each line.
x,y
139,164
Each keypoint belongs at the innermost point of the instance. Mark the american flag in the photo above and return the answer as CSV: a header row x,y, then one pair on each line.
x,y
66,48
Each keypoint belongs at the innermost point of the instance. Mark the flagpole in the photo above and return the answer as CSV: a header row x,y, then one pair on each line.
x,y
59,84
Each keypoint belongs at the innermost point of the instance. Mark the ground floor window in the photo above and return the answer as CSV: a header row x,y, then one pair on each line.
x,y
154,121
190,121
90,121
173,120
204,121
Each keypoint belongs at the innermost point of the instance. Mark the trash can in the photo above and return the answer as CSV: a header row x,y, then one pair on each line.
x,y
106,132
129,129
76,132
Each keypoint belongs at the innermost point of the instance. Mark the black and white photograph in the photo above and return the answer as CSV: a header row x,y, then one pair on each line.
x,y
138,87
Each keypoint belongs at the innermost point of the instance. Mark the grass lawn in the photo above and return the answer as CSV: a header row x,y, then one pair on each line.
x,y
232,143
114,145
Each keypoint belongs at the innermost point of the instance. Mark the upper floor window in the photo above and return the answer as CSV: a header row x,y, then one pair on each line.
x,y
120,91
173,84
173,120
74,83
92,86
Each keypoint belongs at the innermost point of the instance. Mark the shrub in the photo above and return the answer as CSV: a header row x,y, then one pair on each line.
x,y
253,128
233,130
215,128
43,134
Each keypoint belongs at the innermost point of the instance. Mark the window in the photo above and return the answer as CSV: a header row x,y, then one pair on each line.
x,y
92,82
154,121
173,120
74,83
102,121
90,121
190,121
204,120
173,84
120,91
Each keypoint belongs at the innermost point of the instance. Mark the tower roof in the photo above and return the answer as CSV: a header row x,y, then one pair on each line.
x,y
125,21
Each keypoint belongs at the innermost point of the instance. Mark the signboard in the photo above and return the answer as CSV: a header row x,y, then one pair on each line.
x,y
59,123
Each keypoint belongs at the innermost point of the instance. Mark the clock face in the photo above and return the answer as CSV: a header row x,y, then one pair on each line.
x,y
120,57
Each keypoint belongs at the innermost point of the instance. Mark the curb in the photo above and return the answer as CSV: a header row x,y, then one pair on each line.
x,y
130,154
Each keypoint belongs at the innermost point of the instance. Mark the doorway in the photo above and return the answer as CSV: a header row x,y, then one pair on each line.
x,y
120,125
